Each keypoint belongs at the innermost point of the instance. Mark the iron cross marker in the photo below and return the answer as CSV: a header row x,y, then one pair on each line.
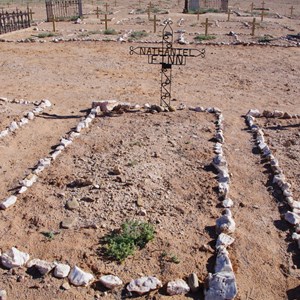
x,y
167,56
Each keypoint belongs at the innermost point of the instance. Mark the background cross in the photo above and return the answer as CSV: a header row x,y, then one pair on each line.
x,y
206,23
105,20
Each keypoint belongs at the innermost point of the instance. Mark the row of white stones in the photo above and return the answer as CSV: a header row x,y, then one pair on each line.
x,y
13,126
43,163
221,284
292,216
18,101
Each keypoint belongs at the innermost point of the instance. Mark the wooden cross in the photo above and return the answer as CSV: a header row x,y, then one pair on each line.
x,y
149,10
198,15
263,5
292,10
154,23
106,7
53,23
253,26
31,14
206,26
105,20
115,3
97,12
252,7
229,13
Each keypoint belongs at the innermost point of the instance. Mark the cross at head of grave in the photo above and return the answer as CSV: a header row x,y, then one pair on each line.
x,y
167,56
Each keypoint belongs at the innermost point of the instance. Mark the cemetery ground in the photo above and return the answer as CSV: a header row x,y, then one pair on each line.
x,y
164,161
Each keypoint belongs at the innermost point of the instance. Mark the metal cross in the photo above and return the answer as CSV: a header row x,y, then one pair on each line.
x,y
167,56
206,26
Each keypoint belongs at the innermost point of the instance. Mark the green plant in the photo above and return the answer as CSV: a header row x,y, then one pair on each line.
x,y
109,31
174,259
50,235
138,34
45,35
132,235
265,39
202,37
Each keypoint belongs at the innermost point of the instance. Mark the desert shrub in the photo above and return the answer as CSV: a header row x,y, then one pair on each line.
x,y
202,37
138,34
132,235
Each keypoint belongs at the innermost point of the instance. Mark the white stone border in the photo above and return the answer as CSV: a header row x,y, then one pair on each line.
x,y
221,282
13,126
292,216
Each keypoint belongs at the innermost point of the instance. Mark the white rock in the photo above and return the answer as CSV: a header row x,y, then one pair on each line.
x,y
14,258
3,295
44,267
65,142
80,278
177,287
296,237
23,122
8,202
225,223
80,126
22,190
110,281
46,103
13,126
29,180
4,133
30,115
55,154
74,135
61,271
144,285
292,218
37,110
224,240
3,99
105,105
221,286
227,203
223,263
254,113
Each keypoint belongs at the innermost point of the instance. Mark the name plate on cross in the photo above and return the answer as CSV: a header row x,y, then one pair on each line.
x,y
167,56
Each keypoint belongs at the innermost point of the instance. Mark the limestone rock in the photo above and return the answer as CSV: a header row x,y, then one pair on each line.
x,y
29,180
80,278
177,287
106,105
13,126
224,240
227,203
225,223
223,263
14,258
193,282
68,223
292,218
72,204
221,286
110,281
61,271
44,267
30,115
65,286
254,113
3,295
10,201
144,285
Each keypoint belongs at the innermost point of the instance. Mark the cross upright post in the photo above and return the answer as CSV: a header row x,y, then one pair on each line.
x,y
254,26
229,13
292,10
97,12
166,56
106,7
252,7
149,10
206,23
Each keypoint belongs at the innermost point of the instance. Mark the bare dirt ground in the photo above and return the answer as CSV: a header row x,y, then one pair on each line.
x,y
163,158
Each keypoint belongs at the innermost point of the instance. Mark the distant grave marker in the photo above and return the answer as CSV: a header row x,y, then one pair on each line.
x,y
97,11
206,23
105,20
254,24
167,56
292,10
155,20
150,6
229,14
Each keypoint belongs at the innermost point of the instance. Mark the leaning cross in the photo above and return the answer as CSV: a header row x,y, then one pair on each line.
x,y
105,20
253,26
167,56
206,26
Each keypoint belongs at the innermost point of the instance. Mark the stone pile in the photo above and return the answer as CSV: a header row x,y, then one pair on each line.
x,y
43,163
292,216
27,117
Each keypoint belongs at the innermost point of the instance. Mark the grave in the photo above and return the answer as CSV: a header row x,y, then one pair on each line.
x,y
12,21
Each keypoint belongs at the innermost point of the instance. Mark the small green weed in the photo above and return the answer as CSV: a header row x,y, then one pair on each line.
x,y
265,39
45,35
202,37
109,31
50,235
138,34
132,235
